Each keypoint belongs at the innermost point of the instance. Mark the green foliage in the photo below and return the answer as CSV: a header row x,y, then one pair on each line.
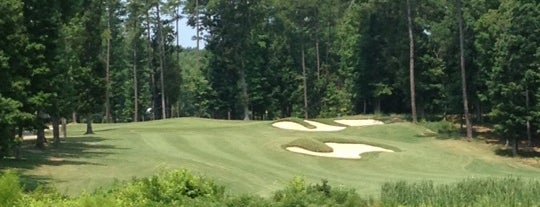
x,y
471,192
298,193
195,89
168,188
9,114
181,188
513,77
442,129
10,189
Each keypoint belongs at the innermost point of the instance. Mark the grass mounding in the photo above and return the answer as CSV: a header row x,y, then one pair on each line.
x,y
296,120
355,141
309,144
330,122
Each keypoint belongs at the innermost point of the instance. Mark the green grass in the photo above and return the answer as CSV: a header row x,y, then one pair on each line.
x,y
248,157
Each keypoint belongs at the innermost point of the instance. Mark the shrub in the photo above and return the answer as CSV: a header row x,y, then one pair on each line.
x,y
297,193
168,188
10,189
443,129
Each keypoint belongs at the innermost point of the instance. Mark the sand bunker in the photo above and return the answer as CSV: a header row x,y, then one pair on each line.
x,y
347,151
359,122
319,127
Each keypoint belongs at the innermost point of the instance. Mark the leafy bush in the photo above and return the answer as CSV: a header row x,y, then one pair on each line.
x,y
181,188
168,188
10,189
443,129
298,193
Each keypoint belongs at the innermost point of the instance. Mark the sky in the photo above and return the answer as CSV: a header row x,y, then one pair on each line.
x,y
186,34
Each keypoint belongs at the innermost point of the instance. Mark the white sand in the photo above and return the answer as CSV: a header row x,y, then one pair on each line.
x,y
319,127
359,122
347,151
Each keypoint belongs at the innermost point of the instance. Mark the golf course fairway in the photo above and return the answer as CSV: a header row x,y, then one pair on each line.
x,y
249,157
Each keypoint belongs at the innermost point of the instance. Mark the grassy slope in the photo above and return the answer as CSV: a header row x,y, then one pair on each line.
x,y
248,157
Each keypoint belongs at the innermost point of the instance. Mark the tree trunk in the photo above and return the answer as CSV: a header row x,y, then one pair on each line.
x,y
135,85
529,136
304,73
515,147
56,130
463,74
108,72
152,72
411,63
318,60
40,140
89,129
198,31
74,117
64,128
161,56
365,106
177,60
20,130
244,95
378,106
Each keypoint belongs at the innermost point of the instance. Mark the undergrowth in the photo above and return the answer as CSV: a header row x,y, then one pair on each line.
x,y
181,188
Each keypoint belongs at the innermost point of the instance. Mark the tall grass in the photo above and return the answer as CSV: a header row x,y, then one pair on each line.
x,y
471,192
181,188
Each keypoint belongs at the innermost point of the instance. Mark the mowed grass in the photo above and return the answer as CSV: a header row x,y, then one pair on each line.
x,y
248,157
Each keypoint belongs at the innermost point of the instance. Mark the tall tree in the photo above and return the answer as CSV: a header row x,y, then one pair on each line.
x,y
161,56
90,78
411,61
14,81
515,72
107,36
463,73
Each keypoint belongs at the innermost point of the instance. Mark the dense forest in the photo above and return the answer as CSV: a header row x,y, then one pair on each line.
x,y
120,61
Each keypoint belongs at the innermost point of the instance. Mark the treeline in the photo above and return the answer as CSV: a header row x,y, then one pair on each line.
x,y
328,58
119,61
181,188
89,60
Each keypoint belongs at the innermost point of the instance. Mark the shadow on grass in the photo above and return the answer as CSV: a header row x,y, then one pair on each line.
x,y
105,130
526,153
71,151
32,182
